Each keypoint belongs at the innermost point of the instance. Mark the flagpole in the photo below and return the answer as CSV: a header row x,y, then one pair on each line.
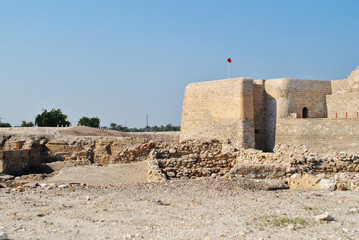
x,y
229,67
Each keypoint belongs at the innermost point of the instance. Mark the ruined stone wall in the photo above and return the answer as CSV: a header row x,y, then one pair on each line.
x,y
16,157
220,109
322,135
15,161
155,136
296,164
191,159
21,154
104,151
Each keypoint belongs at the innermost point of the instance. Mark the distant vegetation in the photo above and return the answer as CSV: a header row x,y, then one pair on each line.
x,y
27,124
89,122
53,118
167,128
5,125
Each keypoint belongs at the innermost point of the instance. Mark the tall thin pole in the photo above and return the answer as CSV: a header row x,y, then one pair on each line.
x,y
229,68
229,65
147,120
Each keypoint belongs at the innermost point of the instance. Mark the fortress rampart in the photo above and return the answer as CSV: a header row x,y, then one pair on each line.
x,y
262,113
221,108
322,135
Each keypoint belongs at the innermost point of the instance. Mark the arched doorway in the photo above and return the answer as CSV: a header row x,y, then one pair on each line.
x,y
305,112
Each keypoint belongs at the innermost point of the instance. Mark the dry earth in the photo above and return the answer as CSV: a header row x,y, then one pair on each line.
x,y
102,176
193,209
116,202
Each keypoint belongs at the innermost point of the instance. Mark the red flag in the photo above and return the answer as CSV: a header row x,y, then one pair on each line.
x,y
229,60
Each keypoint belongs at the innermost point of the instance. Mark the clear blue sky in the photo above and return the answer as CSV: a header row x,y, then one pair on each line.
x,y
119,60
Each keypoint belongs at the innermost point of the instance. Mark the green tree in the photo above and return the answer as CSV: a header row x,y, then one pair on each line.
x,y
27,124
118,127
113,126
51,119
168,127
89,122
5,125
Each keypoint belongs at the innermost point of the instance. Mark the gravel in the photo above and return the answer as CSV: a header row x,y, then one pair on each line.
x,y
192,209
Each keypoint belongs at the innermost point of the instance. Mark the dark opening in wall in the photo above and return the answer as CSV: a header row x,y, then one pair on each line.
x,y
305,112
257,131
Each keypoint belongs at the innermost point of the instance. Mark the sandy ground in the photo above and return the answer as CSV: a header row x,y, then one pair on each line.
x,y
195,209
116,203
102,176
72,131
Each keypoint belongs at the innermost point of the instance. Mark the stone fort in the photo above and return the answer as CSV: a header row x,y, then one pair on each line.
x,y
323,115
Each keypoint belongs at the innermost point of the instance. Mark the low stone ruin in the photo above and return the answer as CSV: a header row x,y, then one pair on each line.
x,y
170,160
193,159
296,165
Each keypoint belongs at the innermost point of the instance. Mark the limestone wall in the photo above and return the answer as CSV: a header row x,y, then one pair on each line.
x,y
351,84
16,157
343,105
297,165
191,159
21,154
344,101
339,86
292,95
322,135
286,98
104,151
15,161
259,113
220,109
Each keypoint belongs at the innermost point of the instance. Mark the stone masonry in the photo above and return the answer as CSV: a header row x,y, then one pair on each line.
x,y
263,113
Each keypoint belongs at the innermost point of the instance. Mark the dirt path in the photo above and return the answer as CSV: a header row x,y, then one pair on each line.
x,y
103,176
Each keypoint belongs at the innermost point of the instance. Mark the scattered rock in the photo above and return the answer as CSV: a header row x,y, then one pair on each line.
x,y
324,217
31,185
326,184
291,227
3,235
242,233
5,177
129,236
353,210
